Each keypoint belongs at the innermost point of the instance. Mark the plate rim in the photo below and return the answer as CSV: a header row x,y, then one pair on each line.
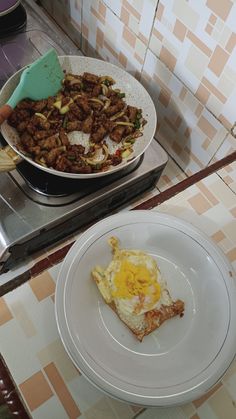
x,y
143,400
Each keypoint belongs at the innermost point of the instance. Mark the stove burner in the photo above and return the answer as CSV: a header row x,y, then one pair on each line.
x,y
13,21
50,185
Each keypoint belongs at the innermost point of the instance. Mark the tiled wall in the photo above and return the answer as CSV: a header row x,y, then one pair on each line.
x,y
184,52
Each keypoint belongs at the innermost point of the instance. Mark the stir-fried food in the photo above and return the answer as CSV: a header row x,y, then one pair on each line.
x,y
87,103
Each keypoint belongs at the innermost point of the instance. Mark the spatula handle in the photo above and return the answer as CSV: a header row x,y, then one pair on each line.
x,y
5,112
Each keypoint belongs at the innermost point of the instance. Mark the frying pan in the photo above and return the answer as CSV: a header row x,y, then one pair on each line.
x,y
136,95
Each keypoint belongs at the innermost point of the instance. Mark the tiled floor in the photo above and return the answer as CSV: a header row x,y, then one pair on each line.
x,y
47,379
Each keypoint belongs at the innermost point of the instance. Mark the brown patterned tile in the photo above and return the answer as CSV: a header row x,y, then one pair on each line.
x,y
131,9
198,43
167,58
100,38
197,403
5,314
209,29
218,236
179,30
231,43
62,392
102,9
207,193
214,90
220,8
212,19
160,11
199,203
112,51
124,15
232,255
164,98
42,286
202,93
129,37
222,405
218,60
206,144
225,122
97,15
199,110
183,93
206,127
122,59
157,34
36,390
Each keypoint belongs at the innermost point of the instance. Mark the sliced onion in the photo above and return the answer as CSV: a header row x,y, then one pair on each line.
x,y
40,115
104,89
117,115
107,104
95,161
127,124
96,101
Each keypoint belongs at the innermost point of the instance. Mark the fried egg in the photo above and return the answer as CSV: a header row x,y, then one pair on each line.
x,y
132,281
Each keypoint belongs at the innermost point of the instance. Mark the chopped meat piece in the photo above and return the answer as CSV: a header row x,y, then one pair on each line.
x,y
49,143
81,169
62,163
74,126
112,110
63,137
25,104
40,135
21,127
40,105
52,155
87,124
116,160
96,90
132,113
84,104
43,124
26,138
90,78
75,112
98,135
77,149
36,150
50,102
31,128
13,119
117,133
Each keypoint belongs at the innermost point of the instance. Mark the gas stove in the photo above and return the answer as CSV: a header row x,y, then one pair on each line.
x,y
38,209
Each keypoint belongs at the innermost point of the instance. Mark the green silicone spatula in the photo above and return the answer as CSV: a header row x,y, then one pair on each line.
x,y
39,80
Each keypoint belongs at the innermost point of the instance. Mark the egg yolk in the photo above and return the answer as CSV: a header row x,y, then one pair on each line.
x,y
135,280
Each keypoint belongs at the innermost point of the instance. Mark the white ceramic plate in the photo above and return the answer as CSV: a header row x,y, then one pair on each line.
x,y
135,95
183,358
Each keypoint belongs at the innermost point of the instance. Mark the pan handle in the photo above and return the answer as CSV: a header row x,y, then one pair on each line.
x,y
8,159
5,112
